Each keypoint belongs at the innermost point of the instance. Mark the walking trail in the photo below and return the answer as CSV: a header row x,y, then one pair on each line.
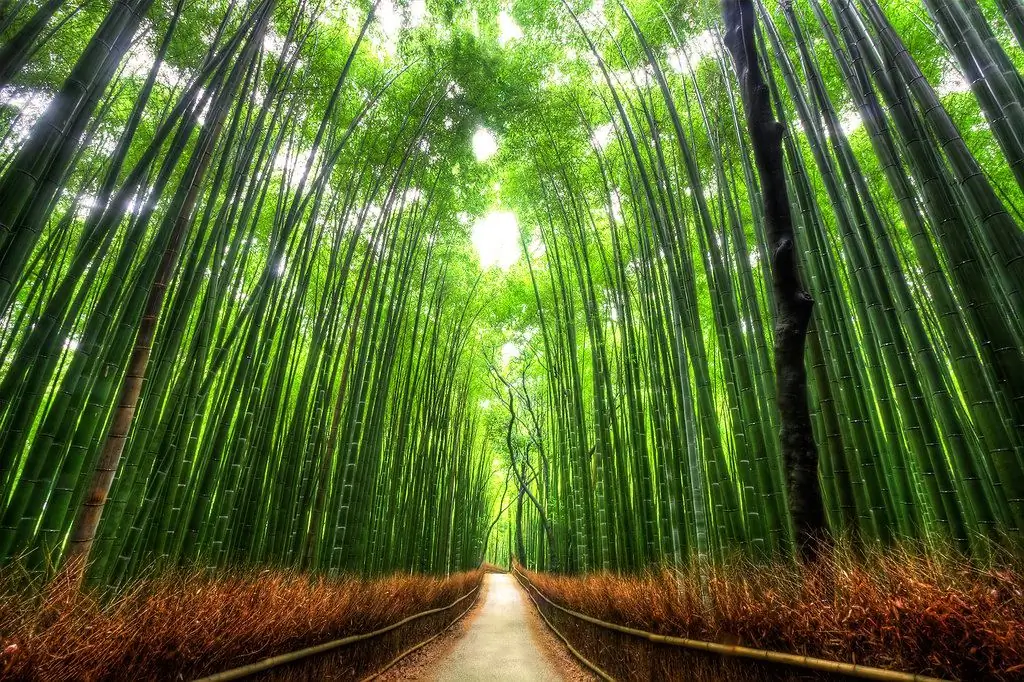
x,y
500,644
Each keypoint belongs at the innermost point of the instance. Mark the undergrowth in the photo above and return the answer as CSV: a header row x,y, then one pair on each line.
x,y
187,624
903,610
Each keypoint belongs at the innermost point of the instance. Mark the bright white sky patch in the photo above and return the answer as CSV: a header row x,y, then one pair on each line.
x,y
593,18
485,145
140,60
417,12
850,121
389,18
537,250
272,43
31,104
292,165
952,82
496,239
602,135
553,76
696,50
616,201
508,29
642,76
509,352
392,19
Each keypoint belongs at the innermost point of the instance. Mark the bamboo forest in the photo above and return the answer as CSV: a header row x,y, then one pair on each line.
x,y
597,339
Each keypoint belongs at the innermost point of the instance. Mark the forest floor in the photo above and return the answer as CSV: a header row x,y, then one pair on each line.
x,y
934,614
503,639
189,624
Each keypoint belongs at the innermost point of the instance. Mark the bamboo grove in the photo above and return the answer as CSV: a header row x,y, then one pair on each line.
x,y
241,320
236,311
652,426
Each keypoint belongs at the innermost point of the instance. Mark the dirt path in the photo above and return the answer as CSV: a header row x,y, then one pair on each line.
x,y
500,644
502,639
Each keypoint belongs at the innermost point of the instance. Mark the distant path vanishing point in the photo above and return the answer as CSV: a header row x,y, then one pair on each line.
x,y
500,644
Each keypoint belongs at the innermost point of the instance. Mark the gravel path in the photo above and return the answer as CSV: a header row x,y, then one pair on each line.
x,y
501,642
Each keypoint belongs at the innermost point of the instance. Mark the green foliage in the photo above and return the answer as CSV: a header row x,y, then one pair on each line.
x,y
327,343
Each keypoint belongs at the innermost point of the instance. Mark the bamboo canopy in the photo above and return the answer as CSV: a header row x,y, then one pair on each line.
x,y
367,287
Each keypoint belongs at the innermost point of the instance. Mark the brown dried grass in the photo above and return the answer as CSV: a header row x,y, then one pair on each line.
x,y
901,609
187,624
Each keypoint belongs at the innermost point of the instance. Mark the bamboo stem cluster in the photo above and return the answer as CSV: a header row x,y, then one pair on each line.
x,y
659,395
240,322
241,339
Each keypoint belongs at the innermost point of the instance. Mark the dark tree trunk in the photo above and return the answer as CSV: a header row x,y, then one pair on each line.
x,y
793,303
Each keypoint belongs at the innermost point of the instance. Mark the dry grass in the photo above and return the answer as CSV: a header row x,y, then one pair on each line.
x,y
188,624
901,610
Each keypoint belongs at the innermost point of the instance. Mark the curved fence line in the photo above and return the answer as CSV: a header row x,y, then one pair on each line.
x,y
794,660
422,644
274,661
597,671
